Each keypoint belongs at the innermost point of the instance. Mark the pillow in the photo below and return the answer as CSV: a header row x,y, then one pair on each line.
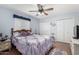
x,y
16,34
29,33
23,33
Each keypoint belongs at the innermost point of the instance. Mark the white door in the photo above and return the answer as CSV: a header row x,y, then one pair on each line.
x,y
59,31
68,29
64,31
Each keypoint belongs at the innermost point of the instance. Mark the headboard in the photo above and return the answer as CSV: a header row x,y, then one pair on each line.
x,y
13,31
21,30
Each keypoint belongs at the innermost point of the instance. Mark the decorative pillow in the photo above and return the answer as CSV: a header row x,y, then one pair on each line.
x,y
23,33
29,33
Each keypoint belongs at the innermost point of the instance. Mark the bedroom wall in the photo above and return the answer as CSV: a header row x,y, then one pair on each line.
x,y
7,21
45,26
52,18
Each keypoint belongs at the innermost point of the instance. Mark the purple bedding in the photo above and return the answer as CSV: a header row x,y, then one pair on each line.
x,y
33,44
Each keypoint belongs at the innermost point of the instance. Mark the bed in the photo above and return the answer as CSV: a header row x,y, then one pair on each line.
x,y
31,44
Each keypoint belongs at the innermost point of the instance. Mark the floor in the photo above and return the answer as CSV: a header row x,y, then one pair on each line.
x,y
60,45
63,46
13,51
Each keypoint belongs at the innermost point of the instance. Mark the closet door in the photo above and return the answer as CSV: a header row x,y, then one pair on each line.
x,y
68,29
59,31
64,32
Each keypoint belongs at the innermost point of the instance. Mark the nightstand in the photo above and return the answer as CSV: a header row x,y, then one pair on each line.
x,y
5,45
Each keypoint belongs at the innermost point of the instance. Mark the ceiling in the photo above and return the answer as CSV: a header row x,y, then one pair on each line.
x,y
58,8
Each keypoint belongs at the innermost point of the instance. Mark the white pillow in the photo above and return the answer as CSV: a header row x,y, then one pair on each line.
x,y
16,34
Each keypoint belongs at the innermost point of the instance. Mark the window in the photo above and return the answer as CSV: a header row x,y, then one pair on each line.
x,y
21,24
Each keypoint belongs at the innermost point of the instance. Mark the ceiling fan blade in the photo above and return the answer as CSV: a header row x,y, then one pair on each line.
x,y
45,13
33,11
40,7
49,9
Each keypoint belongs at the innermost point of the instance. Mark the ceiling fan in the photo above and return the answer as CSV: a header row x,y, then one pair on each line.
x,y
41,10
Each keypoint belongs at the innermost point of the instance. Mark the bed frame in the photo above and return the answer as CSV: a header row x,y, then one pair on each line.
x,y
21,30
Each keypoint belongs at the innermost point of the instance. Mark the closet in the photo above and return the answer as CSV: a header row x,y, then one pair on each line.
x,y
65,33
64,30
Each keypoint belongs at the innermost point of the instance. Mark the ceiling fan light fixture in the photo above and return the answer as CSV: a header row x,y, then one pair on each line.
x,y
41,10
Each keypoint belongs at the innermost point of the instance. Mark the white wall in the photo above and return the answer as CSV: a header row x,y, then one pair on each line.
x,y
45,28
7,20
52,18
49,25
35,25
77,20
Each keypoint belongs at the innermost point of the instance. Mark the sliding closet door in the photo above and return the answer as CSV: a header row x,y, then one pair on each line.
x,y
59,31
68,29
64,32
